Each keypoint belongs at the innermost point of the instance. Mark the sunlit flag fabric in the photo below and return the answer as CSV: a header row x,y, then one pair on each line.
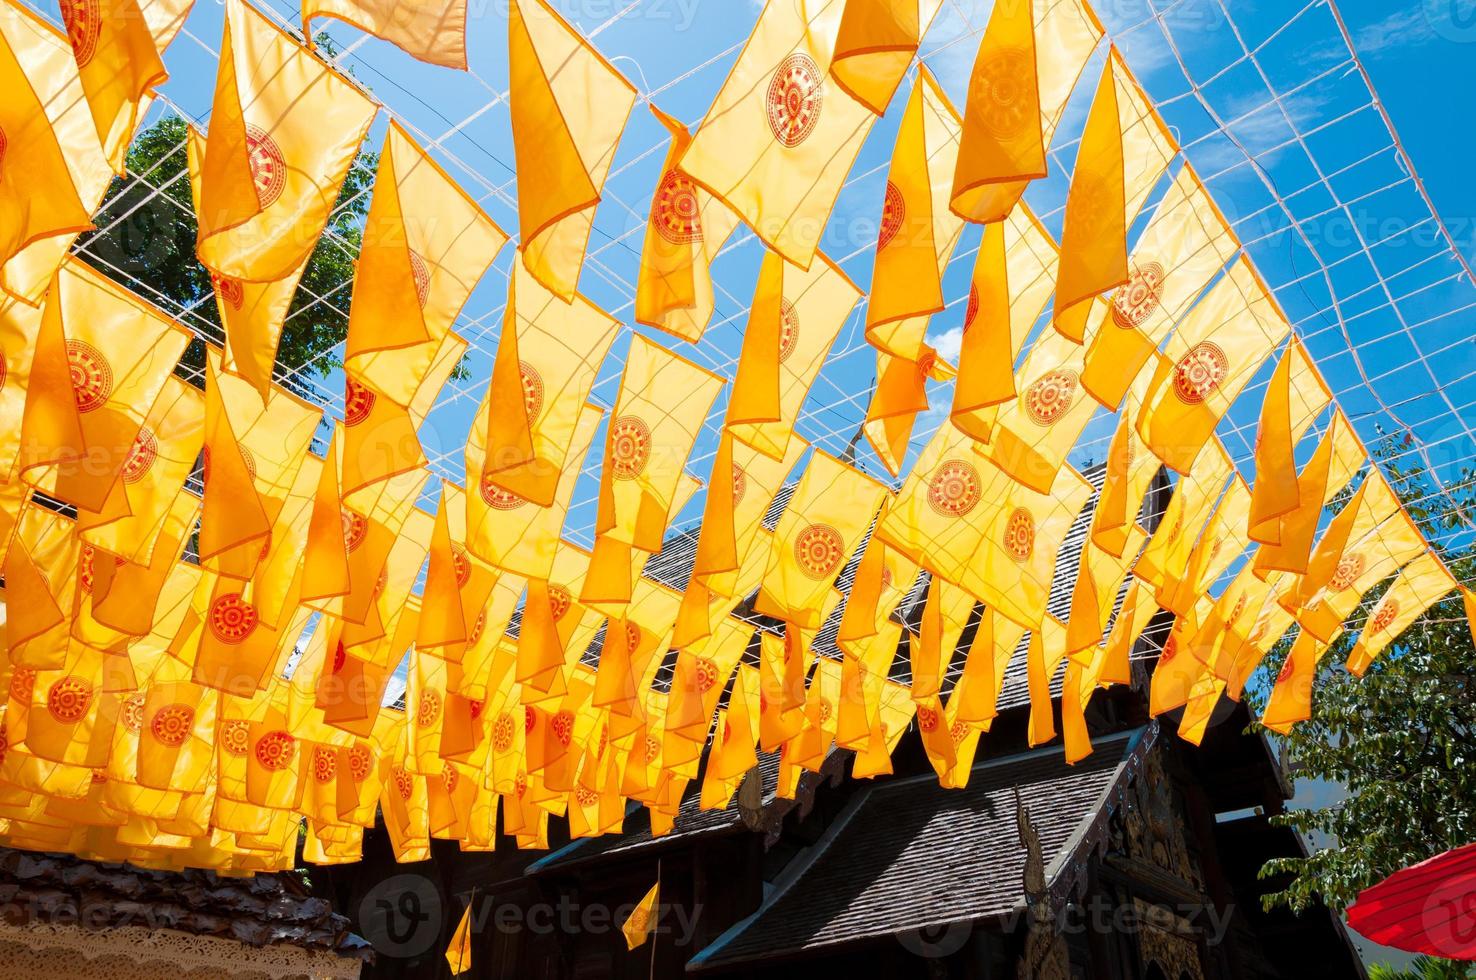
x,y
1188,510
684,233
899,396
101,359
546,363
569,106
1186,242
1222,541
284,130
1130,469
794,320
1291,697
54,172
1013,277
40,583
1365,563
781,136
1098,582
875,45
1418,586
916,231
664,400
1338,458
1337,560
1295,396
641,922
1029,60
822,525
1124,149
1212,357
433,31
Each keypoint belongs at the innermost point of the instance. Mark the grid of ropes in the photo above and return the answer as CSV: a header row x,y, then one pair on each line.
x,y
834,409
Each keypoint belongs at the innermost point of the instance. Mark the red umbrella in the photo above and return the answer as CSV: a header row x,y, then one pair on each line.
x,y
1426,908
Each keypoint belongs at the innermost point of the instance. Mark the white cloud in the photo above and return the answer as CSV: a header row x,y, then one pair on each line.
x,y
1402,28
948,344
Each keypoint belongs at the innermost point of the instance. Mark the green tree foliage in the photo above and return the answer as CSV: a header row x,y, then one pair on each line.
x,y
1401,741
1424,968
146,241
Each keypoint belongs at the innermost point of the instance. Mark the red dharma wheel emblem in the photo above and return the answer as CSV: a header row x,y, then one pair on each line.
x,y
676,211
707,675
361,762
68,699
1238,611
355,527
427,709
229,290
1003,89
954,488
172,724
819,550
4,368
1019,537
559,601
530,719
503,732
563,727
789,329
84,24
325,764
477,627
1387,611
420,273
1050,396
235,736
275,749
232,619
499,499
520,784
268,166
972,309
632,637
894,212
957,732
141,455
92,377
1200,372
927,719
358,401
630,447
826,710
532,389
796,93
1349,570
1287,669
449,777
1137,299
132,712
461,565
740,483
586,797
1170,650
404,782
653,750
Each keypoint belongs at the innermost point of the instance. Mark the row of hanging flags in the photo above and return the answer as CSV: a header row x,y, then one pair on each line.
x,y
151,716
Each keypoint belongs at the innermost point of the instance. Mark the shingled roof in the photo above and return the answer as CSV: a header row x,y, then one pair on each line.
x,y
908,854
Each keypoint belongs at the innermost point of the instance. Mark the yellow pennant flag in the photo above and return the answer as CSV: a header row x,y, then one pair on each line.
x,y
1338,459
40,584
1124,149
513,533
1186,243
945,614
780,137
118,49
1418,586
822,524
284,130
686,230
1098,582
1013,277
1221,543
547,359
793,321
899,396
458,953
875,44
1294,397
568,107
883,578
1033,433
1336,562
1365,563
1130,469
1212,356
100,362
1291,698
332,531
642,919
1029,60
234,513
430,32
153,475
917,232
426,244
52,159
663,402
1468,598
1184,518
701,674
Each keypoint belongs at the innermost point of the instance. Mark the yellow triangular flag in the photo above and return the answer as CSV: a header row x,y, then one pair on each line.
x,y
642,919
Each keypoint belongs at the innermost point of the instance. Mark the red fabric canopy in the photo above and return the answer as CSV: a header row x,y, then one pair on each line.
x,y
1426,908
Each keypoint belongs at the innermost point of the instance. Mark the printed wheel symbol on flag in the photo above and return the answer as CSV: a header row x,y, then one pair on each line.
x,y
449,777
677,212
427,709
229,289
1387,611
630,447
84,25
794,99
1136,299
532,390
559,601
563,727
141,455
172,724
503,731
740,483
789,329
361,762
1019,538
404,783
92,376
954,489
707,675
275,749
1051,396
68,699
1002,89
325,764
355,527
232,619
894,212
819,550
421,276
132,712
1200,372
1350,569
268,166
358,401
927,719
499,499
235,736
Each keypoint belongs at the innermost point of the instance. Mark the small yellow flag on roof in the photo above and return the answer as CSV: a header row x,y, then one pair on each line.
x,y
642,919
458,954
